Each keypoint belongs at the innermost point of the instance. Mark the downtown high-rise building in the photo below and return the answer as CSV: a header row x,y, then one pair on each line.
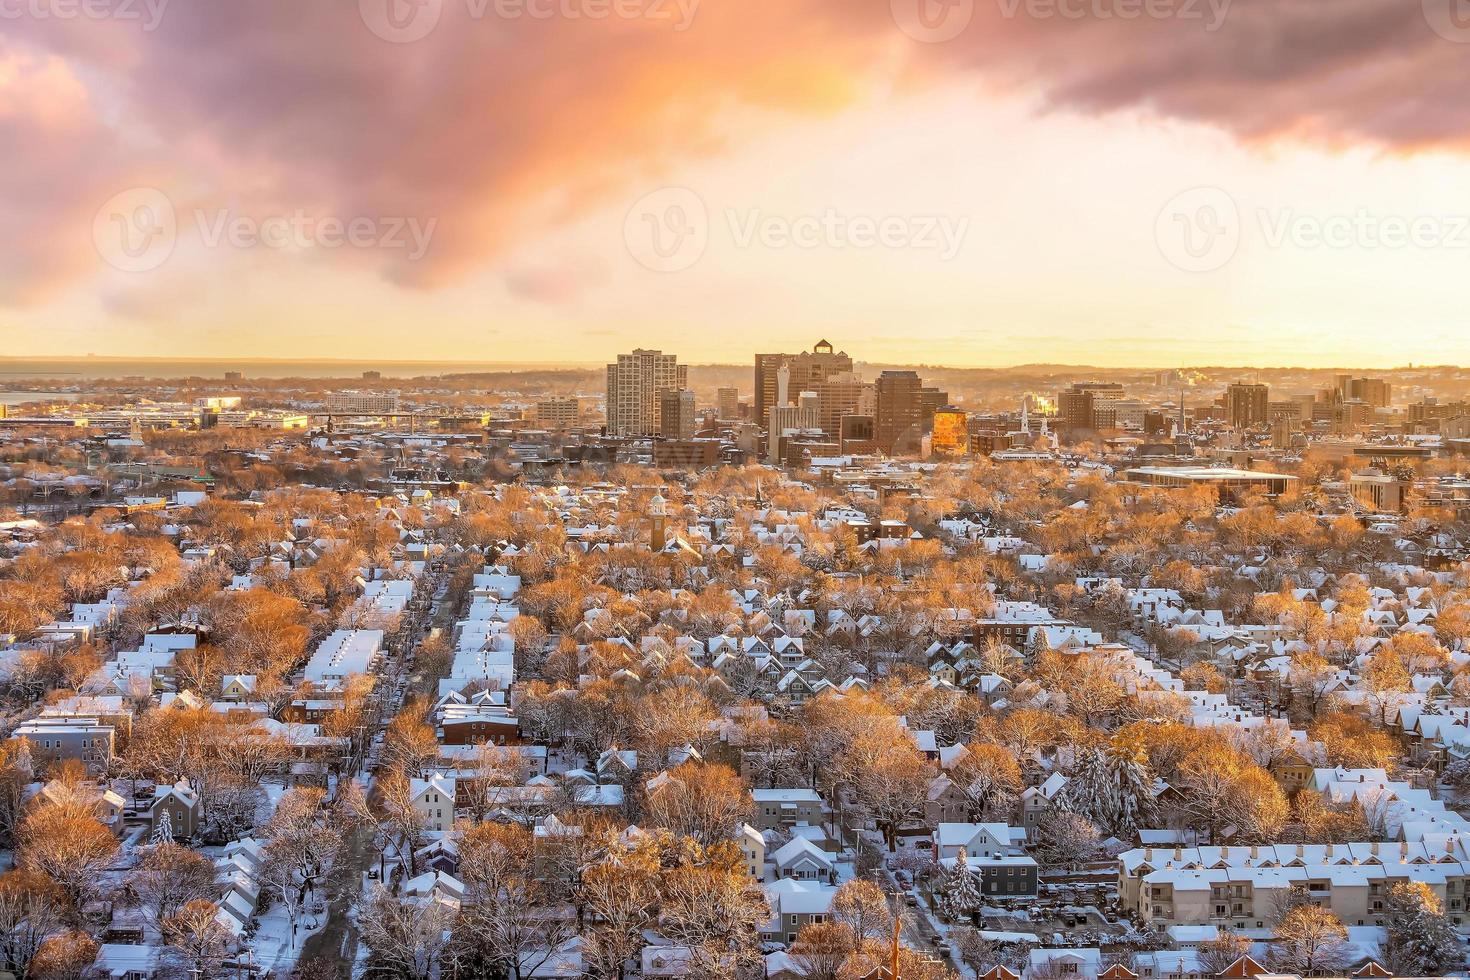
x,y
727,404
899,425
931,400
786,420
951,433
1089,405
808,370
842,395
363,402
1375,392
558,413
676,418
1247,405
636,384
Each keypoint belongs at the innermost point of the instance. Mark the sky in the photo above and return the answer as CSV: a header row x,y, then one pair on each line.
x,y
965,182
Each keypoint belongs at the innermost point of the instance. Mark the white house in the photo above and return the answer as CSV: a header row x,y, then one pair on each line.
x,y
434,799
799,858
979,840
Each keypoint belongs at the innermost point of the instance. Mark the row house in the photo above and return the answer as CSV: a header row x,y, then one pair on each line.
x,y
1242,887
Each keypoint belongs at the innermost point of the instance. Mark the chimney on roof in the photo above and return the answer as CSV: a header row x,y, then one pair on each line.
x,y
1301,850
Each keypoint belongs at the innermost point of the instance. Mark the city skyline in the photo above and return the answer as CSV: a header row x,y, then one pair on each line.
x,y
595,365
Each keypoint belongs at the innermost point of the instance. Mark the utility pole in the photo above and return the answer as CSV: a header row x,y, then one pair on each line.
x,y
897,928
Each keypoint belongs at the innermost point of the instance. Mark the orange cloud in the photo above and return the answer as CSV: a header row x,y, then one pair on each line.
x,y
498,123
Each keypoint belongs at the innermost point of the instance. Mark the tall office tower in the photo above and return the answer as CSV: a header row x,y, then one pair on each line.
x,y
951,432
727,404
1074,408
788,419
1089,405
842,395
1104,393
1374,391
808,371
1247,404
635,384
899,425
931,400
1289,409
677,414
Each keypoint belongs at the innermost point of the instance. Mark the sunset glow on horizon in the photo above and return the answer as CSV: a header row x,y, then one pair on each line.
x,y
985,183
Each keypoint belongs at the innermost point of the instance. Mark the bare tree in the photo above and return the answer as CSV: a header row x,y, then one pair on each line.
x,y
196,933
891,778
70,848
402,820
1218,953
64,956
406,939
1309,940
31,908
168,876
704,801
619,899
1067,839
489,778
302,841
863,908
821,949
717,913
508,914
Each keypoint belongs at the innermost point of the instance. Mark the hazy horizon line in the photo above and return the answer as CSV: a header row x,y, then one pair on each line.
x,y
598,364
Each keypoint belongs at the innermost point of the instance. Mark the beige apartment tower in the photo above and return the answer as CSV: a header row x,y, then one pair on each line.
x,y
636,383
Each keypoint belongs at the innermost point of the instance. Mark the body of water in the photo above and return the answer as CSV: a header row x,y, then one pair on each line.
x,y
78,370
8,398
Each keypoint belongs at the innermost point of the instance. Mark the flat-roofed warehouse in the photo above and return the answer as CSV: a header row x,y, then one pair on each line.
x,y
1230,484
